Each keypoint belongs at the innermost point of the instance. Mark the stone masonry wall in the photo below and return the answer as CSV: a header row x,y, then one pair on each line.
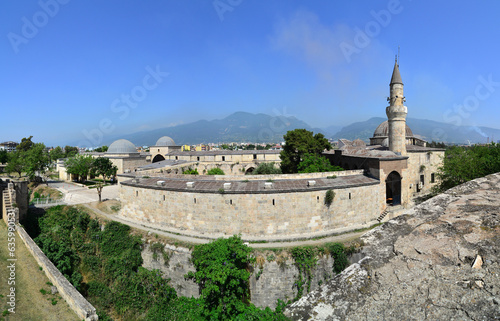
x,y
276,281
68,292
256,216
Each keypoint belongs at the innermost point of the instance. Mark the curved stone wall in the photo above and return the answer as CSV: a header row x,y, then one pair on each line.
x,y
259,210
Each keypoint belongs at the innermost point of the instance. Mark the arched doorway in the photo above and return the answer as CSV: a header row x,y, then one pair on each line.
x,y
158,158
393,188
249,170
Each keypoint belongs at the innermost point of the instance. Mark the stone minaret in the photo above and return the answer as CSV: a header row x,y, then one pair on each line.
x,y
396,114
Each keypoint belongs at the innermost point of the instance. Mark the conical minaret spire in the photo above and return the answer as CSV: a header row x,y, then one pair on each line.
x,y
396,113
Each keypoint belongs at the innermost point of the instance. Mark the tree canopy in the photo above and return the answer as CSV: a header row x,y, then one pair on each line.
x,y
4,156
70,151
298,144
79,166
215,171
313,163
56,153
266,169
462,164
29,157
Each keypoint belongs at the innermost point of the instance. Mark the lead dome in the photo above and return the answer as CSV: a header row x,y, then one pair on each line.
x,y
165,141
121,146
383,130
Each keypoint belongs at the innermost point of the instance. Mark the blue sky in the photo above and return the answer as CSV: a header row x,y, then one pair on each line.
x,y
80,70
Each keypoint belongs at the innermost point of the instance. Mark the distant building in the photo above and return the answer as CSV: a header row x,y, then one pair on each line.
x,y
8,146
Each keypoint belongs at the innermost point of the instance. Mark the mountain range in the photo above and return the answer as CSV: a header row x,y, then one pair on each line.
x,y
428,130
237,127
262,128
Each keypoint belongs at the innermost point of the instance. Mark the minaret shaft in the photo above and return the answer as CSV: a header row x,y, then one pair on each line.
x,y
396,114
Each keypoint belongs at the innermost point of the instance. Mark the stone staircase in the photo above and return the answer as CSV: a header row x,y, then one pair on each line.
x,y
384,214
394,210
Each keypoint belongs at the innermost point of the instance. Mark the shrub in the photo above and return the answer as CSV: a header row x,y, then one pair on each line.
x,y
215,171
266,169
190,171
222,273
338,253
329,196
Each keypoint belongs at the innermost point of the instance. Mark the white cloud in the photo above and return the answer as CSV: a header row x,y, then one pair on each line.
x,y
304,36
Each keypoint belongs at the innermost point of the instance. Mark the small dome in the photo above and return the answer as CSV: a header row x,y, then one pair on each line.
x,y
121,146
383,130
165,141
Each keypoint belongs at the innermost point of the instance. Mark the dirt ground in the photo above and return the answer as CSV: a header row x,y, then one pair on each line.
x,y
31,303
107,206
46,191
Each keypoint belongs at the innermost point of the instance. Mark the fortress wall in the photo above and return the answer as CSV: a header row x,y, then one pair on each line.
x,y
276,281
254,215
68,292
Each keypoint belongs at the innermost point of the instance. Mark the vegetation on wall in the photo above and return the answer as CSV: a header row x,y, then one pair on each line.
x,y
266,169
222,273
305,258
215,171
191,171
105,265
339,255
329,196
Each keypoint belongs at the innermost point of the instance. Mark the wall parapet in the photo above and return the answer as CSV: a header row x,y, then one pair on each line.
x,y
68,292
261,186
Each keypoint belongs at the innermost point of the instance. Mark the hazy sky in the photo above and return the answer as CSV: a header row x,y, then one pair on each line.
x,y
79,70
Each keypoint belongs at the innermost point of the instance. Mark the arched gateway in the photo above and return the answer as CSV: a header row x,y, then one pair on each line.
x,y
393,188
158,158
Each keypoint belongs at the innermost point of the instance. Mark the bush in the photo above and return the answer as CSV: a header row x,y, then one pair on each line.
x,y
329,196
222,272
191,171
215,171
338,253
266,169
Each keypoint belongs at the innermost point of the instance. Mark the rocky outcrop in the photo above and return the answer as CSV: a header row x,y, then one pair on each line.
x,y
438,261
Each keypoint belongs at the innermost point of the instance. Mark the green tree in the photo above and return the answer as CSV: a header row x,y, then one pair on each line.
x,y
70,151
215,171
266,169
25,144
101,149
36,160
313,163
15,162
102,166
462,164
222,273
80,166
3,156
299,143
56,153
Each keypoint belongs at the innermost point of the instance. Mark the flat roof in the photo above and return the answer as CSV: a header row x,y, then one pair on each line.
x,y
221,152
251,187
